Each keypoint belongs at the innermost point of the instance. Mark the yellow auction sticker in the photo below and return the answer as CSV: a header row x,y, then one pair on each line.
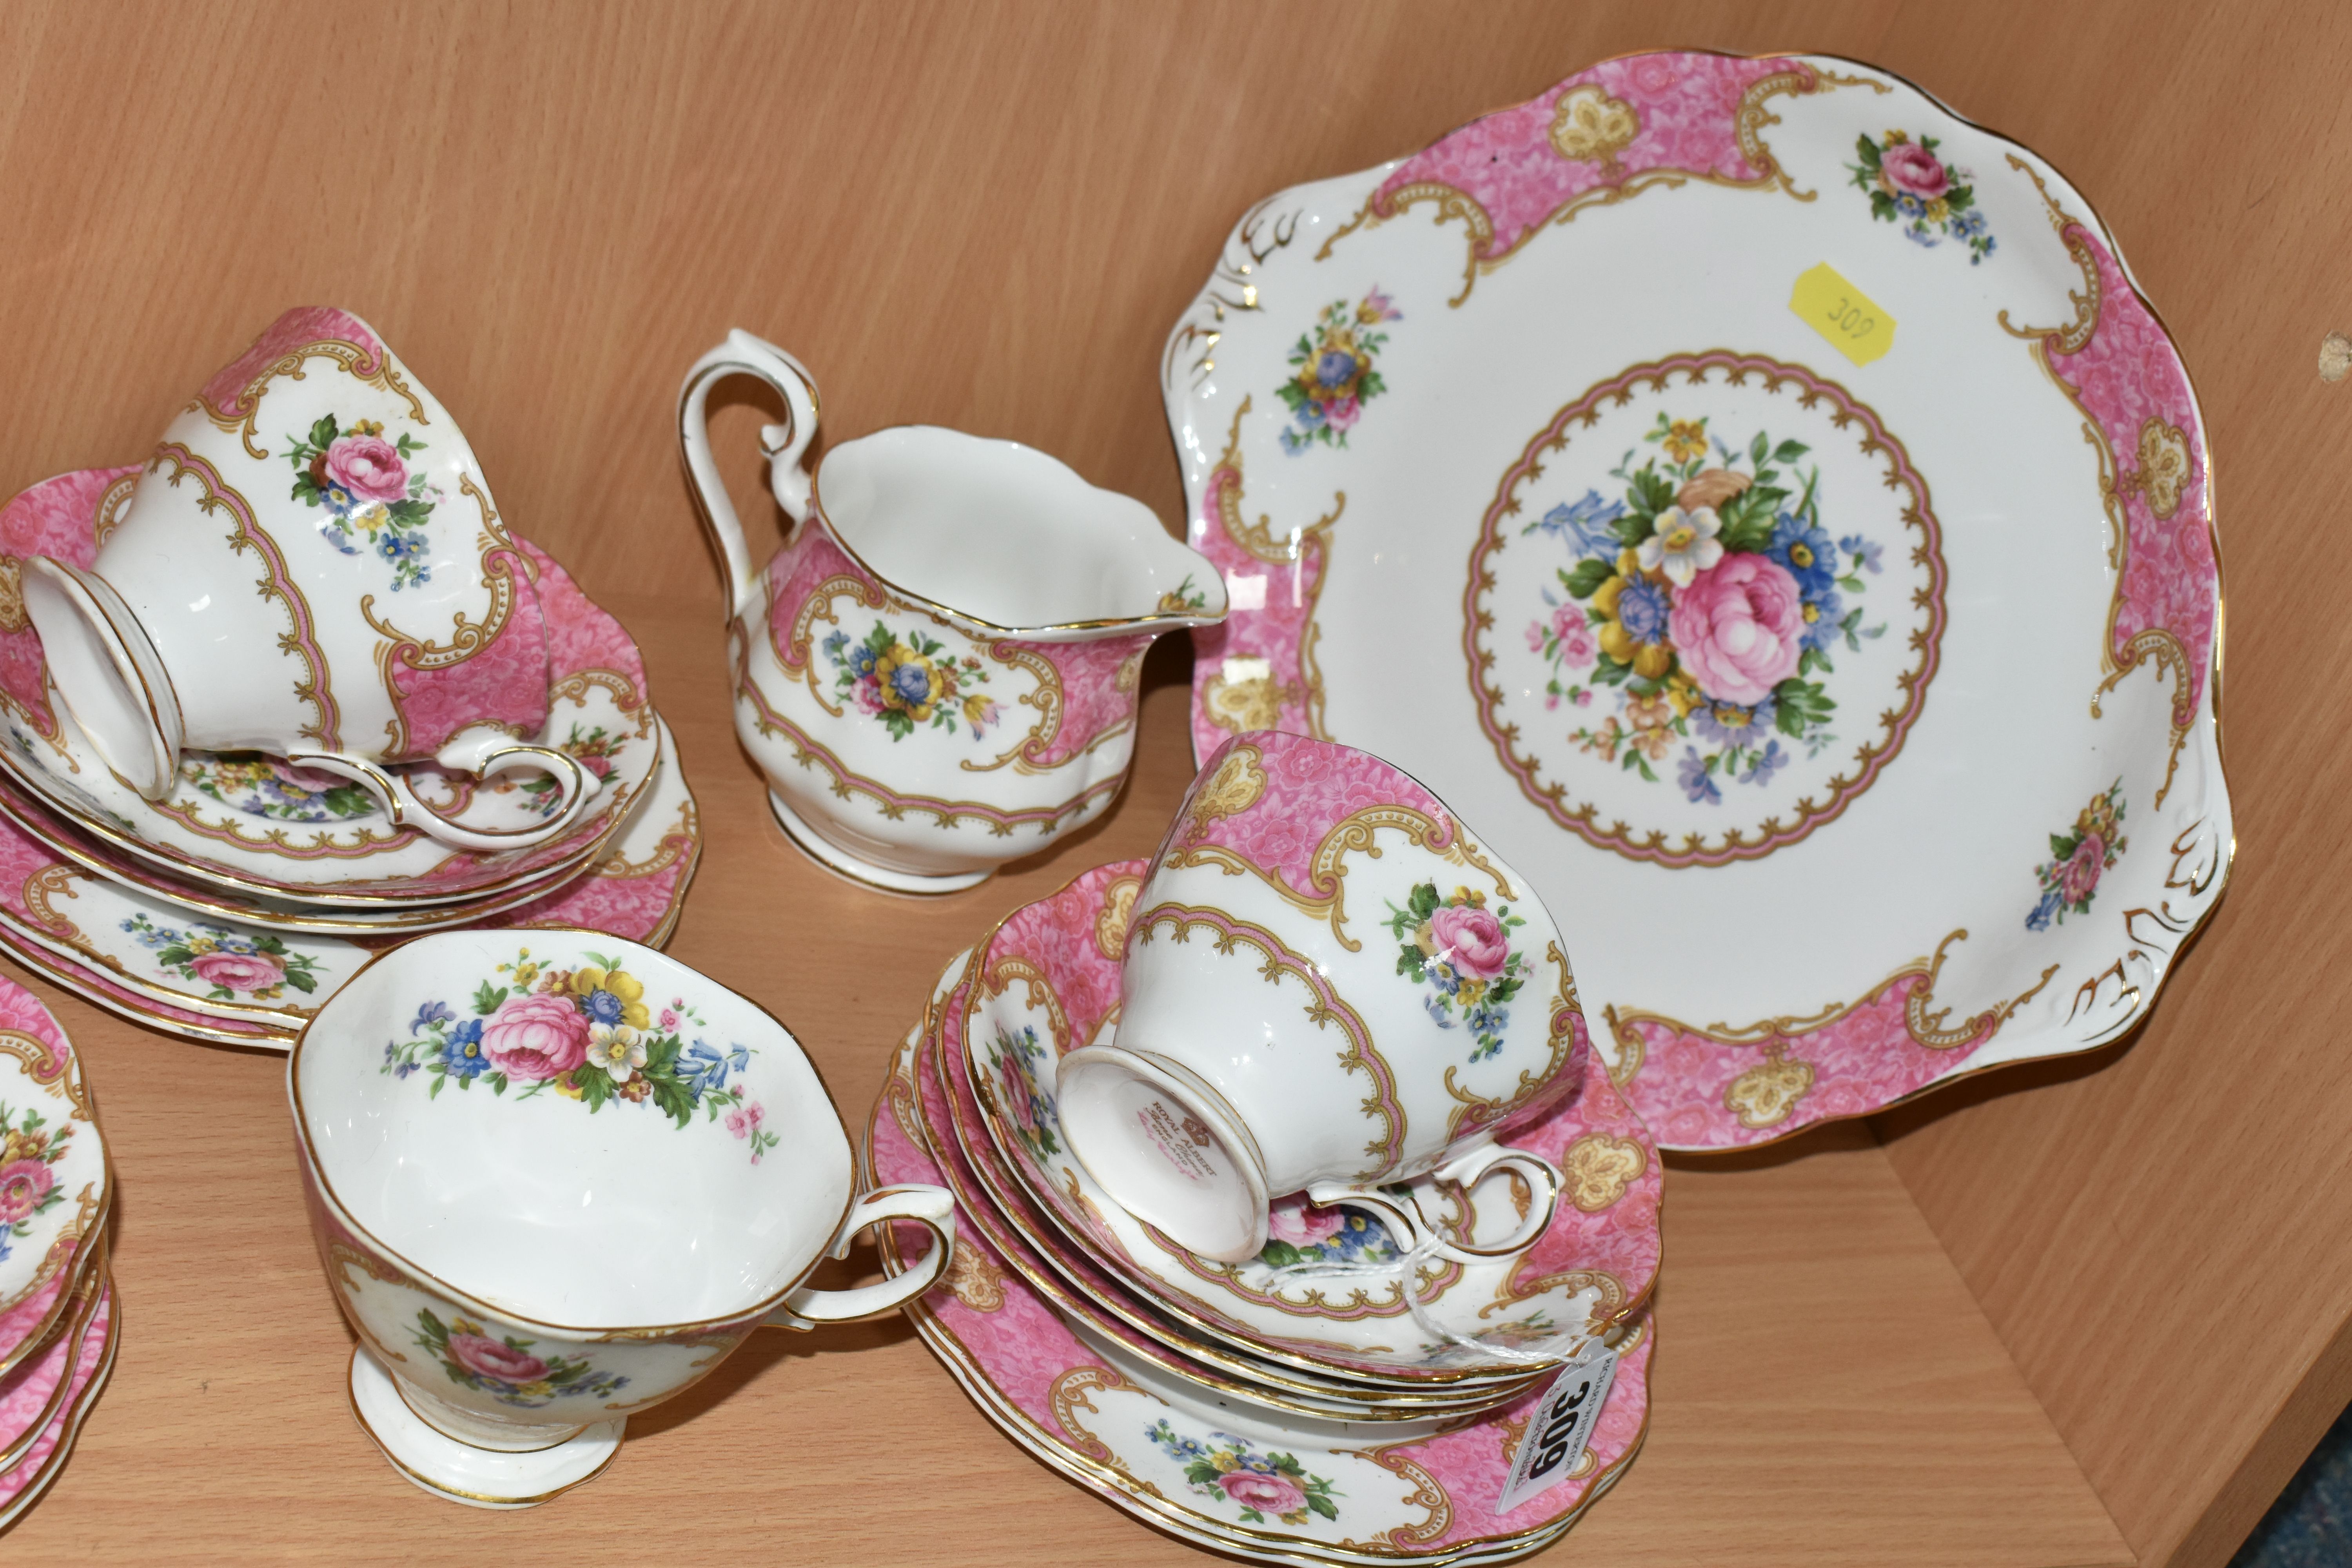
x,y
1851,319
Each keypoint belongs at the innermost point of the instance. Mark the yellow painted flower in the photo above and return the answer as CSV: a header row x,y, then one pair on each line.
x,y
372,516
1939,210
610,997
1686,439
1470,895
1897,138
364,428
565,1087
1225,1460
22,1146
1650,660
542,1389
1683,694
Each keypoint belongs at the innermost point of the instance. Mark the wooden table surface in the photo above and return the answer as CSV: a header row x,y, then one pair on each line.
x,y
2087,1313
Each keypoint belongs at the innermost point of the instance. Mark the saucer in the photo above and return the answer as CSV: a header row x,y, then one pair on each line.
x,y
1083,1295
55,1179
1337,1297
25,1329
445,1467
1130,1432
259,827
45,1458
153,964
1694,475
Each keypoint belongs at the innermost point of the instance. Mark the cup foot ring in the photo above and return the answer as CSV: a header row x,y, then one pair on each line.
x,y
441,1466
864,873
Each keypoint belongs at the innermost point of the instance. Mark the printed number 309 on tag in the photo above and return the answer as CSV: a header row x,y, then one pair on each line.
x,y
1853,324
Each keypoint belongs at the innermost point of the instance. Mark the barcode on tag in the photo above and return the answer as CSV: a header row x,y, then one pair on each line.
x,y
1560,1428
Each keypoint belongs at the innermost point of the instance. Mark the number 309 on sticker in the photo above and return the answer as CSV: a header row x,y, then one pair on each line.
x,y
1852,320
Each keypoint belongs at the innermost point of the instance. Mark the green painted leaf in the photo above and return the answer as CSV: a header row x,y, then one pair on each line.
x,y
301,981
1586,579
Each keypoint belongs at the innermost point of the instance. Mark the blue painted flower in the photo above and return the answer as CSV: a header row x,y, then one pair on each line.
x,y
1729,724
1763,764
705,1070
1437,1010
861,660
1821,617
1487,1019
1920,234
912,682
1868,553
461,1054
2040,919
603,1007
396,546
399,1069
836,647
1336,367
431,1013
1585,525
1911,205
1641,610
1697,781
1807,551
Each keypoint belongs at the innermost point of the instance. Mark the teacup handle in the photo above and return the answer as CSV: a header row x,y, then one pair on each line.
x,y
401,804
930,1207
1417,1232
785,445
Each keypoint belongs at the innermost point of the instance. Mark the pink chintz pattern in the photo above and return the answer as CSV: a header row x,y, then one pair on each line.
x,y
1249,671
505,683
29,1393
1675,113
1021,1348
1697,1090
1272,798
53,518
2128,378
224,394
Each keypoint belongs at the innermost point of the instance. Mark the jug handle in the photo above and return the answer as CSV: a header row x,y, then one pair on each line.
x,y
786,444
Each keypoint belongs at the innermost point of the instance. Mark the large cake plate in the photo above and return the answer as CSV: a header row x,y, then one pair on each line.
x,y
1762,502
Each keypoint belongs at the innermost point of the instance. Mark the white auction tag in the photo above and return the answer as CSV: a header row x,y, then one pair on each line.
x,y
1560,1427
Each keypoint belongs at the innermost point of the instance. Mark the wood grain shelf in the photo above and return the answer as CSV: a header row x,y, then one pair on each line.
x,y
2086,1313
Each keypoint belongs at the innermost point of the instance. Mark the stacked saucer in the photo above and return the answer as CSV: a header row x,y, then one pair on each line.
x,y
224,895
1336,1398
58,1324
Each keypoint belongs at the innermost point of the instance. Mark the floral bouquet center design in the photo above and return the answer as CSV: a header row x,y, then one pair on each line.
x,y
1462,951
31,1147
1333,376
910,680
371,499
588,1034
1258,1486
1739,617
506,1368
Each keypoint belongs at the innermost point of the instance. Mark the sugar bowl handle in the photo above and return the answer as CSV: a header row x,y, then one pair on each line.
x,y
933,1208
786,446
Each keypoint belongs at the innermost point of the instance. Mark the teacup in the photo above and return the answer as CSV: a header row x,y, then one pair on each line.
x,y
556,1177
1328,987
938,670
310,566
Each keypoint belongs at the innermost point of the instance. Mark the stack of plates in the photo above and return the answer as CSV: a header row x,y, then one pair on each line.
x,y
231,908
1331,1400
59,1325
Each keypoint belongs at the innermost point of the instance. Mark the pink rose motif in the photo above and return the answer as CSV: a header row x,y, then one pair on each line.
x,y
247,971
368,467
867,693
2080,876
1739,628
669,1018
1273,1494
500,1363
1471,940
1912,169
599,765
534,1038
1302,1224
1343,415
22,1184
1576,642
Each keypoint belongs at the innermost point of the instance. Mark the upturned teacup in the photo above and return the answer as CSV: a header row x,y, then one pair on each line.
x,y
1328,987
938,670
312,566
555,1178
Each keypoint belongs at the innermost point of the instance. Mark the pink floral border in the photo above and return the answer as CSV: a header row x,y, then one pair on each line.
x,y
225,396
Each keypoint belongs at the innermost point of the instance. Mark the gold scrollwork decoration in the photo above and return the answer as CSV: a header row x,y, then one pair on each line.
x,y
349,355
1244,694
1068,1397
1110,921
1600,1168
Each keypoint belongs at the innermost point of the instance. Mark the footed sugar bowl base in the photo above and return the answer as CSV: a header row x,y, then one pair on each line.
x,y
465,1471
864,872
